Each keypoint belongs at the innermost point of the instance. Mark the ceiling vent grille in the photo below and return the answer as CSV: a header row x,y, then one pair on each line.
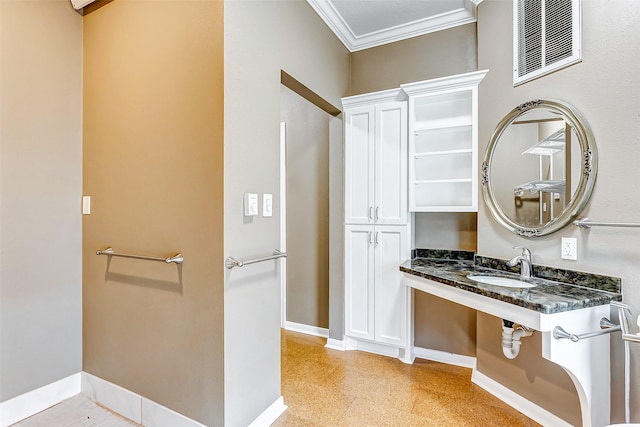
x,y
547,37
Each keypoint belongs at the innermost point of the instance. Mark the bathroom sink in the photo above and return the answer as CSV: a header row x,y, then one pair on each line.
x,y
500,281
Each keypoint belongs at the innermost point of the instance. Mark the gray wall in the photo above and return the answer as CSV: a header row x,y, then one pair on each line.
x,y
606,89
261,39
307,129
40,176
439,54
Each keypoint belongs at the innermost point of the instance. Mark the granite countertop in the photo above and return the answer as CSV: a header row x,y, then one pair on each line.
x,y
548,296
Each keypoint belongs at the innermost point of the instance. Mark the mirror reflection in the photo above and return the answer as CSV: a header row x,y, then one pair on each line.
x,y
540,168
534,173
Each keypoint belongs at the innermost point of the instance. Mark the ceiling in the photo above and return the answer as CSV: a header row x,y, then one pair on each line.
x,y
362,24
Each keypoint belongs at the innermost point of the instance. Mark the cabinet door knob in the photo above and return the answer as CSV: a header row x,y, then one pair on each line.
x,y
377,213
377,238
371,212
371,237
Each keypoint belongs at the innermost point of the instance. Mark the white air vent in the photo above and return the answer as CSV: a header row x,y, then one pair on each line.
x,y
547,37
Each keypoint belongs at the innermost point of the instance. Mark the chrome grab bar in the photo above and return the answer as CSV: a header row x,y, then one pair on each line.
x,y
605,324
624,322
231,262
586,223
177,258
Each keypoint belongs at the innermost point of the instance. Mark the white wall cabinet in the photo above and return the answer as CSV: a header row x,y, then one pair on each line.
x,y
376,158
375,298
443,143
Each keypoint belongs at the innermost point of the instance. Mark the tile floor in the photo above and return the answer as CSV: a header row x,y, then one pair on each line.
x,y
78,411
325,387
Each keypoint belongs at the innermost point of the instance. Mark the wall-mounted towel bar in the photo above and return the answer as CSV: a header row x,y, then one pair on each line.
x,y
231,262
177,258
586,223
605,324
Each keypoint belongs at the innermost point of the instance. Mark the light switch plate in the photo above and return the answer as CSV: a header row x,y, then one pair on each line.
x,y
86,205
267,205
250,204
569,248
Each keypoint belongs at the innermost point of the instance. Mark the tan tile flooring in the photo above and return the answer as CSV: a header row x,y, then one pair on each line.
x,y
324,387
77,411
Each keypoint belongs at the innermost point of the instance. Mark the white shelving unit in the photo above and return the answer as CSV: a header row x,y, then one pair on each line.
x,y
443,143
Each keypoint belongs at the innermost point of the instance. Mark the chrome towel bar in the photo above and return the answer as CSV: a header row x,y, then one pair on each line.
x,y
231,262
177,258
586,223
605,324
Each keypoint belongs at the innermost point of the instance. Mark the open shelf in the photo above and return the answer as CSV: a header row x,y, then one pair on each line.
x,y
443,143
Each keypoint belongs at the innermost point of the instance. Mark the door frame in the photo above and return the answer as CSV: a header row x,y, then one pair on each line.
x,y
283,223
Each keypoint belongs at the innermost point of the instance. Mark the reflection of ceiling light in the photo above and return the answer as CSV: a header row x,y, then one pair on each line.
x,y
550,145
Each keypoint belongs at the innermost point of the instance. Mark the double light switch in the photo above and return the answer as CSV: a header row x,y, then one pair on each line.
x,y
251,206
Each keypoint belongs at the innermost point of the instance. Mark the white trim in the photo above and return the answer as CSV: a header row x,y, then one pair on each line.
x,y
335,344
353,42
114,397
371,98
131,405
155,415
283,223
34,401
371,347
444,84
270,414
306,329
513,399
444,357
79,4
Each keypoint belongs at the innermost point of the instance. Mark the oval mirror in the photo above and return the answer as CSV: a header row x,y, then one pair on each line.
x,y
539,168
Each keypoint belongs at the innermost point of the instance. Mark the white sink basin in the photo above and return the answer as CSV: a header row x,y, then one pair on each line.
x,y
505,282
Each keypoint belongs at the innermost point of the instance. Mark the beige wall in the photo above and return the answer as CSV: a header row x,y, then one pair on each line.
x,y
40,176
606,89
307,130
261,39
439,54
153,166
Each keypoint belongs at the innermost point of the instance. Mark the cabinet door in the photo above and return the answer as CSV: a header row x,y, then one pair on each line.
x,y
391,164
390,305
359,292
359,165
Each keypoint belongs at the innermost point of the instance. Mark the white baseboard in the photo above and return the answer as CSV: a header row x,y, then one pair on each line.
x,y
32,402
306,329
114,397
270,414
371,347
131,405
513,399
444,357
335,344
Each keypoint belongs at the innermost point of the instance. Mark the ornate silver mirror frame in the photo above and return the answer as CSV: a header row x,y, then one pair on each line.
x,y
579,193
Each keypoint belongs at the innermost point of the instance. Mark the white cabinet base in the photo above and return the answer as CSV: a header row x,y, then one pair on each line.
x,y
376,348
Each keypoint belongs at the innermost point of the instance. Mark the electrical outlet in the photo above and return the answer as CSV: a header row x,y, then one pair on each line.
x,y
569,248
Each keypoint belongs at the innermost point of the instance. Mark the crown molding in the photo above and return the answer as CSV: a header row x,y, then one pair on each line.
x,y
354,43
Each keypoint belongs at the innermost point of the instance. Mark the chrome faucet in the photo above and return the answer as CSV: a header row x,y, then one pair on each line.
x,y
525,262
